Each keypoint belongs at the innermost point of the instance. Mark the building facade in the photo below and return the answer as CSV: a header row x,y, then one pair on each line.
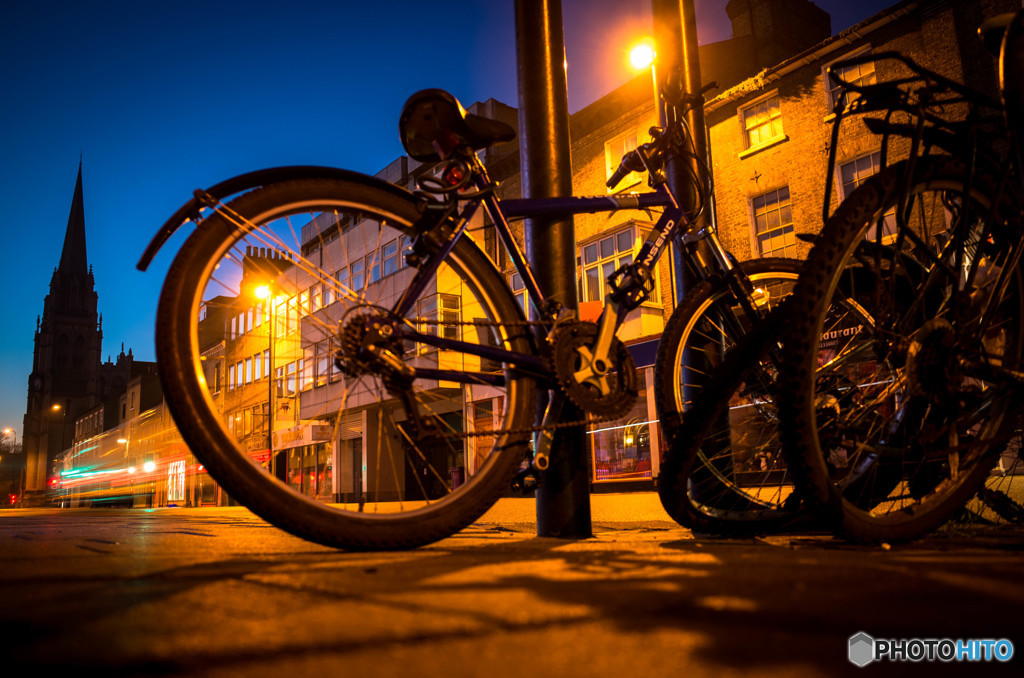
x,y
268,359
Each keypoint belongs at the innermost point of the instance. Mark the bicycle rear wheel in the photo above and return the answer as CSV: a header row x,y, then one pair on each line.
x,y
897,405
724,473
316,406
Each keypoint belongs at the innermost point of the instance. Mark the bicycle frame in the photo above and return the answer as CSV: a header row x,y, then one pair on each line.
x,y
672,226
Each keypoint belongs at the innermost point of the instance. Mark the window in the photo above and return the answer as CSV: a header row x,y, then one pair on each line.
x,y
234,327
306,368
389,254
248,370
231,377
773,224
356,271
519,291
316,298
257,367
303,304
861,74
445,308
613,152
323,362
335,371
294,309
854,173
762,122
601,258
291,374
248,320
328,293
373,267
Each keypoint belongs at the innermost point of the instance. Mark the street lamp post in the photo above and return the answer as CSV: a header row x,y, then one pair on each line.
x,y
18,474
265,292
57,407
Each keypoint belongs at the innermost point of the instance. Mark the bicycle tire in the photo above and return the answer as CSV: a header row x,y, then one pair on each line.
x,y
891,423
404,495
711,480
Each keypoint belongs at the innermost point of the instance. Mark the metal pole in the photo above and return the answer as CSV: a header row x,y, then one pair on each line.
x,y
563,499
270,383
677,71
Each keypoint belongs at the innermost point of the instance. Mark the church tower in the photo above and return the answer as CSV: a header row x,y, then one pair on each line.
x,y
66,366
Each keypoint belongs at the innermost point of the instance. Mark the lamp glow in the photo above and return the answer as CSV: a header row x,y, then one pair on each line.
x,y
642,56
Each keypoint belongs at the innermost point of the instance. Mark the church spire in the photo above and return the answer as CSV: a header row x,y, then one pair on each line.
x,y
72,258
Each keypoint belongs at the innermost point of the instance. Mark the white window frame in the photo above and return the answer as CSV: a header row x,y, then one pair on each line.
x,y
751,108
832,89
874,157
789,248
611,260
614,149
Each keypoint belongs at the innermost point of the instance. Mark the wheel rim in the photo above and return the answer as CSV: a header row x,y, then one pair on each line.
x,y
738,474
341,435
914,426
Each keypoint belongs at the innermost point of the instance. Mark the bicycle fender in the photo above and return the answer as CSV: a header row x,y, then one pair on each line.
x,y
246,182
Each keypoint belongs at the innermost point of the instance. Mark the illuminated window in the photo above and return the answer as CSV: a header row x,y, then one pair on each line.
x,y
613,152
603,257
861,74
762,122
445,308
773,224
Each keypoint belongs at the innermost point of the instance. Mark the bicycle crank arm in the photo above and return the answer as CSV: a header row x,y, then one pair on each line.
x,y
595,362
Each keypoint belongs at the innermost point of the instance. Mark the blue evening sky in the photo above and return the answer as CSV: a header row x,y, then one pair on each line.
x,y
160,98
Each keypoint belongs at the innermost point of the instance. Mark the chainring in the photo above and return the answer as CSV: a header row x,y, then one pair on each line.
x,y
620,382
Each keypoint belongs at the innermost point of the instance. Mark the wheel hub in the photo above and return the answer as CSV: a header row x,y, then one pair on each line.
x,y
931,360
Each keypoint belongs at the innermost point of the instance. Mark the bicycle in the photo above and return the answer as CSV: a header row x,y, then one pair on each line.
x,y
428,361
896,406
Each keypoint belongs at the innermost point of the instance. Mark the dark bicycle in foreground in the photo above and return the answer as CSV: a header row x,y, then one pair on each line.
x,y
902,351
431,362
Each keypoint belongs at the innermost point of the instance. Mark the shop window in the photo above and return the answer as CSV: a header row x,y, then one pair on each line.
x,y
621,448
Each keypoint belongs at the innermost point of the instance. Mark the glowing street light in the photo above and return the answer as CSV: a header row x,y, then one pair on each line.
x,y
642,55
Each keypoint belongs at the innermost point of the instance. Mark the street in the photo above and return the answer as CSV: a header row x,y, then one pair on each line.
x,y
219,592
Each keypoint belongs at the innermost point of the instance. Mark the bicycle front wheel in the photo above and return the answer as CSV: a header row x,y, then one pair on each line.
x,y
898,402
724,472
307,395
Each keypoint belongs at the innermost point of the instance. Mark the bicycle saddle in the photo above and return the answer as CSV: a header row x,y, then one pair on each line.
x,y
433,123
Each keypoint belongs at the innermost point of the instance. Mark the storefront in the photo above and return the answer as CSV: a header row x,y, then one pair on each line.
x,y
626,452
303,458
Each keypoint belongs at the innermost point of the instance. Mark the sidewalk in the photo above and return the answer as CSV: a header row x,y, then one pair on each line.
x,y
218,592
